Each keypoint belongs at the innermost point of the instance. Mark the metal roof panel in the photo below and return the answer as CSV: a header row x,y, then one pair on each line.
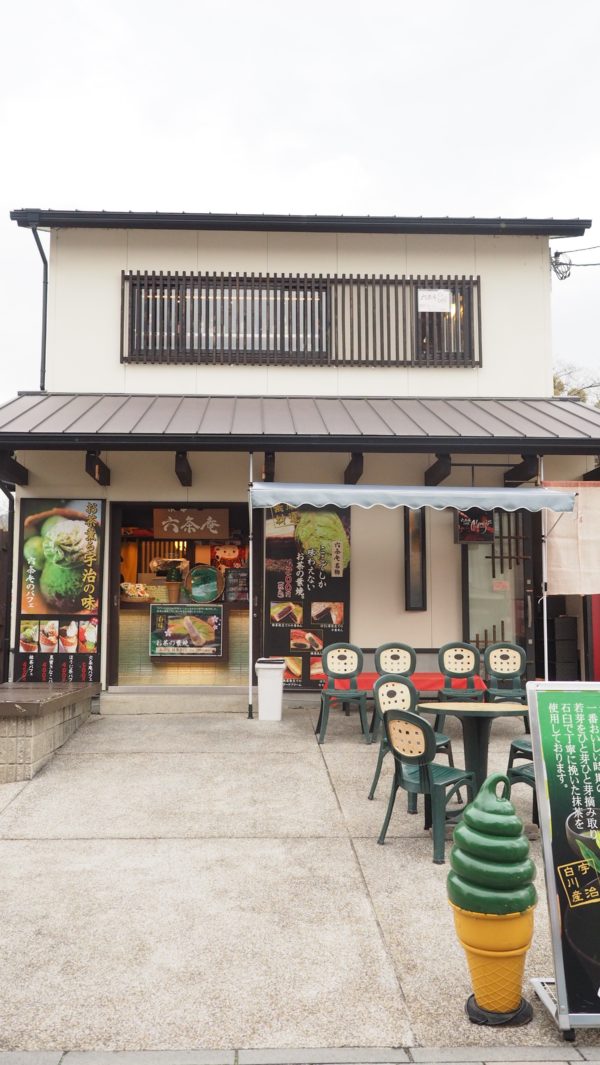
x,y
277,417
65,420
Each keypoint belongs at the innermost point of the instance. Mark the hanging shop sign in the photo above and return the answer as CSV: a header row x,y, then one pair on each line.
x,y
187,631
566,744
60,587
474,526
307,588
170,523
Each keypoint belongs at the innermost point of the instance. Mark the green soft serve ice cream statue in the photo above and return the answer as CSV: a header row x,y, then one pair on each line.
x,y
492,895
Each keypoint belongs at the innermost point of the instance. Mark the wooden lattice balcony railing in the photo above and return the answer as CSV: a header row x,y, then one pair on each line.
x,y
293,320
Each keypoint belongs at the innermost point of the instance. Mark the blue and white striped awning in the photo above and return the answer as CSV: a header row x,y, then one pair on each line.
x,y
269,494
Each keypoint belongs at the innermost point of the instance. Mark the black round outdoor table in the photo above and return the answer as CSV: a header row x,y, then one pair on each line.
x,y
476,719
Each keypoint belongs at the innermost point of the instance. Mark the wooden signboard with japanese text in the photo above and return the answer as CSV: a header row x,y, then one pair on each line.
x,y
189,523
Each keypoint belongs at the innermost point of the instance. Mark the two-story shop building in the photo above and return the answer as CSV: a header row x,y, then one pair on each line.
x,y
186,354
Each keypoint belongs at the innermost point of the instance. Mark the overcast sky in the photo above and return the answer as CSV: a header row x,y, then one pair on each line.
x,y
432,108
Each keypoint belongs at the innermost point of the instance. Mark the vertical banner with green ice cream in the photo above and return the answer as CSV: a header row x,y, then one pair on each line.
x,y
60,588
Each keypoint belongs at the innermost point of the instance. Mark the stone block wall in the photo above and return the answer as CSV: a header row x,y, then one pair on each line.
x,y
27,743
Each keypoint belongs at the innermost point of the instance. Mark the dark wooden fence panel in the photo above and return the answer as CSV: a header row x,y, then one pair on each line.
x,y
300,320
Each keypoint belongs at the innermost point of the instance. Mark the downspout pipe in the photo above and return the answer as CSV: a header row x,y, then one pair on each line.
x,y
44,307
5,650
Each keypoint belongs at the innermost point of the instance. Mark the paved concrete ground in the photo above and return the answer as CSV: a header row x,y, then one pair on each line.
x,y
177,882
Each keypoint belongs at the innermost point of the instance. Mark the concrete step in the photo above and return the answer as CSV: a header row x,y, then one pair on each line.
x,y
182,700
175,700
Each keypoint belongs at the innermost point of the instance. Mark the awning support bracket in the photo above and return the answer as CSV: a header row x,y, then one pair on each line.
x,y
96,468
527,470
183,469
269,466
439,470
11,471
354,469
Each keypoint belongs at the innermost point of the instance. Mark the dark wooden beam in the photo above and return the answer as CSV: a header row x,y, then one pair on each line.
x,y
438,472
591,475
354,469
11,471
96,468
269,466
525,471
183,468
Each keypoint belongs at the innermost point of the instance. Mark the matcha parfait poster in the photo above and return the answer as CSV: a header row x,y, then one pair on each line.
x,y
307,588
58,626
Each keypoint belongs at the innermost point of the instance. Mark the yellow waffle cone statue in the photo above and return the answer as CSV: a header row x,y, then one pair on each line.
x,y
492,895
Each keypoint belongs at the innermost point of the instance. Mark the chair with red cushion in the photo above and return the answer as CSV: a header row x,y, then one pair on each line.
x,y
342,661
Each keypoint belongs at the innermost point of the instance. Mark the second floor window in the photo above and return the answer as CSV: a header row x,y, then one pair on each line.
x,y
444,327
246,318
294,320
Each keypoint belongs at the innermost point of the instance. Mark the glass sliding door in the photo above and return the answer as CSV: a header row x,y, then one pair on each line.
x,y
498,586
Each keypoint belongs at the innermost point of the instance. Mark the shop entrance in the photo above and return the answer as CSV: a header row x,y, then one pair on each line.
x,y
499,602
179,595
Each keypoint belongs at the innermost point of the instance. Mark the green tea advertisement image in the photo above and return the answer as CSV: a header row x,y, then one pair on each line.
x,y
569,726
60,559
186,631
307,588
60,589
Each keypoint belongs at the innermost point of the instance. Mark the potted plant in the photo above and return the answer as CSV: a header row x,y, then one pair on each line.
x,y
173,582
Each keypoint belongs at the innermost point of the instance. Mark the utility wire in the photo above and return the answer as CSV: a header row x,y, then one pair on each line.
x,y
574,251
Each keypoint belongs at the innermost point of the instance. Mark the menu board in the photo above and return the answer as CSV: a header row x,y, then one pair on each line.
x,y
60,586
236,586
186,631
307,588
566,744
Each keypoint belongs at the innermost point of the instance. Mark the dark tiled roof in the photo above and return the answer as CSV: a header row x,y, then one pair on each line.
x,y
78,420
295,223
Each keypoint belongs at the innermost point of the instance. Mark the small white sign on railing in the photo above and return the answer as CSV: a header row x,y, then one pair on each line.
x,y
434,299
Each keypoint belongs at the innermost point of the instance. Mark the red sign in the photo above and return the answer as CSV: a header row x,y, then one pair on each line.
x,y
474,526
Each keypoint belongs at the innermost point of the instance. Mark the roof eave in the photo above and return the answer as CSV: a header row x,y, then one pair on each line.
x,y
510,445
51,219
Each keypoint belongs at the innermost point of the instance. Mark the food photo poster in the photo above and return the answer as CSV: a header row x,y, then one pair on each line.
x,y
60,582
307,588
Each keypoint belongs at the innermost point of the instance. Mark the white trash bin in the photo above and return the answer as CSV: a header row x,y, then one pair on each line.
x,y
269,672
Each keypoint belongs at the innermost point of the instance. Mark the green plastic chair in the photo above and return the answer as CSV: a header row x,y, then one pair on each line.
x,y
505,665
412,742
342,661
392,692
459,661
520,748
525,774
395,659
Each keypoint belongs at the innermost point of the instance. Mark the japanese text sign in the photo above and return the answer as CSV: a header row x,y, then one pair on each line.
x,y
174,523
566,745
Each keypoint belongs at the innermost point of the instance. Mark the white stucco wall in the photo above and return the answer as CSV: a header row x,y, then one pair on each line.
x,y
85,309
